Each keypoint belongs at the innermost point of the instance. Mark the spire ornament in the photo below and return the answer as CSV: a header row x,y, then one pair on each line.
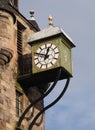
x,y
50,18
32,15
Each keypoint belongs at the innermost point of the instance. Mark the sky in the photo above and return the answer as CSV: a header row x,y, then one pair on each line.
x,y
76,109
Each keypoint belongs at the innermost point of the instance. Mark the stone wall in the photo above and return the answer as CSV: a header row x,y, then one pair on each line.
x,y
9,73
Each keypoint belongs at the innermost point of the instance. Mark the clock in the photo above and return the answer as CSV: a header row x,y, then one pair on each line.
x,y
51,50
46,55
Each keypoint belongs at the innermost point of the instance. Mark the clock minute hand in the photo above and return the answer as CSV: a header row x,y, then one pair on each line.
x,y
42,55
46,55
48,50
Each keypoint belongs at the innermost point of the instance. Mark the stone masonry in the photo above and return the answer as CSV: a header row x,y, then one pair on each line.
x,y
10,20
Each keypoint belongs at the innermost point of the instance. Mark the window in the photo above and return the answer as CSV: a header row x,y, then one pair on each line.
x,y
19,103
20,29
20,45
19,42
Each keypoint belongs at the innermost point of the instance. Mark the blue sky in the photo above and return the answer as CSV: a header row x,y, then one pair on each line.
x,y
76,110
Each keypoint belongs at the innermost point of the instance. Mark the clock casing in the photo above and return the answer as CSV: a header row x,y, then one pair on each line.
x,y
63,60
51,49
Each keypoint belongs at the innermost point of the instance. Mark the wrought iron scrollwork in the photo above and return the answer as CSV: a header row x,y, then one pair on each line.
x,y
41,98
50,105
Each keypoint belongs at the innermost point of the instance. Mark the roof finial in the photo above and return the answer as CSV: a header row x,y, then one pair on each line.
x,y
50,18
32,15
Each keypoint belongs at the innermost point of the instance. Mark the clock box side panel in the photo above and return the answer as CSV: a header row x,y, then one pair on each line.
x,y
66,57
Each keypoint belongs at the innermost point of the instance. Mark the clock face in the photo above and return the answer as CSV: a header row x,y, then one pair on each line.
x,y
46,56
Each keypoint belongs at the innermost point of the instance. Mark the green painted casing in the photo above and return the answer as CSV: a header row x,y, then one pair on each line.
x,y
66,56
64,59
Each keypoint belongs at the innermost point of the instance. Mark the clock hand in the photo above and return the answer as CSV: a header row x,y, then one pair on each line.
x,y
42,55
46,55
47,51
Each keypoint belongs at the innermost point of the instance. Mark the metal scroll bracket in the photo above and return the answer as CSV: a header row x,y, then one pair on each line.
x,y
41,98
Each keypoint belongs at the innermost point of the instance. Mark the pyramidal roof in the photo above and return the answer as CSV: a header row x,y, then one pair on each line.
x,y
50,31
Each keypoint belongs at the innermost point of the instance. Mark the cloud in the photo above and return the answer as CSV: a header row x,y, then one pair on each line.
x,y
76,110
71,115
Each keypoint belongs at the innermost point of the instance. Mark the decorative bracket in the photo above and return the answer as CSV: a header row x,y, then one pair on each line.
x,y
50,105
41,98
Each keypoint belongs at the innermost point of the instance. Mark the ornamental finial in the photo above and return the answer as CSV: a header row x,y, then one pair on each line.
x,y
50,18
32,15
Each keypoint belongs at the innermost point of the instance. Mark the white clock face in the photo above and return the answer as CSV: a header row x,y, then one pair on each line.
x,y
46,56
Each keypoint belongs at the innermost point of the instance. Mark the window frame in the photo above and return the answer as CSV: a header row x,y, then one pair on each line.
x,y
19,103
